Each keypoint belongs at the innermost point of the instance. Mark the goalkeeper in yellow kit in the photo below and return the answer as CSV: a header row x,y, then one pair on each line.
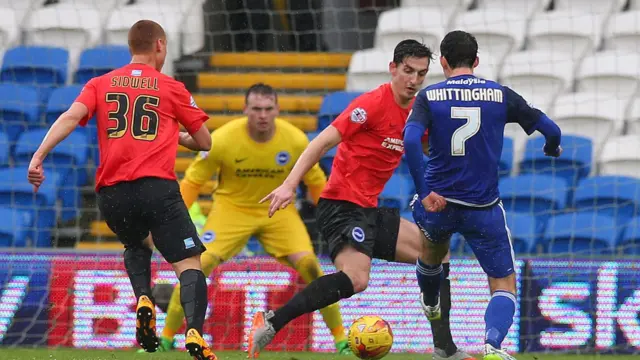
x,y
251,156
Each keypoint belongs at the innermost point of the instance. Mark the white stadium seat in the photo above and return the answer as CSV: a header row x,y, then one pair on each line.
x,y
589,6
191,19
591,115
564,32
622,32
527,7
103,6
9,28
446,5
538,76
426,25
368,69
633,117
621,156
65,26
498,32
488,67
21,7
611,73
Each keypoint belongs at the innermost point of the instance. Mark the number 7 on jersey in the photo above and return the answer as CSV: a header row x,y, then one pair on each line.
x,y
466,131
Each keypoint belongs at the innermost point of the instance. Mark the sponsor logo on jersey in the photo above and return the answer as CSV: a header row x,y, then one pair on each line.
x,y
240,160
358,234
208,236
393,144
358,116
136,72
467,81
282,158
189,243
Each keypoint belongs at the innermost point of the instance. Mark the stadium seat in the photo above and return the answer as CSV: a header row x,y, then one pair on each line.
x,y
622,32
20,8
498,32
4,150
611,73
564,32
35,65
589,6
18,109
574,164
332,105
506,159
629,243
426,24
65,26
15,226
59,101
368,69
68,160
539,76
615,196
621,156
18,194
591,115
397,192
526,7
581,234
104,7
524,231
9,28
438,4
533,194
633,117
100,60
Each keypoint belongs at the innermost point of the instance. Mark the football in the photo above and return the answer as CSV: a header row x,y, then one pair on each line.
x,y
370,337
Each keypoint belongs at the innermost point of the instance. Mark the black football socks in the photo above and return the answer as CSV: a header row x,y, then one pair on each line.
x,y
137,261
193,296
441,328
319,294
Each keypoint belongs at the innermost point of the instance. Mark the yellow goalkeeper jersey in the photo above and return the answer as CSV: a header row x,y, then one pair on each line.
x,y
247,170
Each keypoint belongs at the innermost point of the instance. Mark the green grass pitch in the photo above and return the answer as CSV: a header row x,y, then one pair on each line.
x,y
75,354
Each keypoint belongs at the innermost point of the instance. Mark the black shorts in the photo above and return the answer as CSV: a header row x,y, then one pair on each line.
x,y
372,231
133,209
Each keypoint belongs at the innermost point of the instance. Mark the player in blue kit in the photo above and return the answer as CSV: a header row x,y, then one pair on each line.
x,y
457,191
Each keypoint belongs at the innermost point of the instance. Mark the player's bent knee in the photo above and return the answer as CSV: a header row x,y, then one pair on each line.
x,y
506,283
192,263
359,279
308,267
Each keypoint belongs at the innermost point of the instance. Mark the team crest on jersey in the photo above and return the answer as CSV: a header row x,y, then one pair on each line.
x,y
358,116
358,234
208,236
282,158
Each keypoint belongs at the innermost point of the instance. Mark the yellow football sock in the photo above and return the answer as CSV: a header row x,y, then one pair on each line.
x,y
309,269
175,313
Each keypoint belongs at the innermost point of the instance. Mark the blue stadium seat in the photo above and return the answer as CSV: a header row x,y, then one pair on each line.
x,y
4,150
35,65
101,60
18,194
15,226
614,196
506,158
629,243
533,194
19,109
68,159
332,105
397,192
574,164
327,160
581,233
524,232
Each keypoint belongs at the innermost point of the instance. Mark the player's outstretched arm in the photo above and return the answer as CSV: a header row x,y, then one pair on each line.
x,y
532,119
59,131
283,195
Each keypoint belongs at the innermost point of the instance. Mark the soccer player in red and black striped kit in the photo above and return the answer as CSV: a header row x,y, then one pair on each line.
x,y
370,147
138,111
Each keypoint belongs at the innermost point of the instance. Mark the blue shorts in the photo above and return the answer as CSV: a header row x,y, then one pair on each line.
x,y
484,229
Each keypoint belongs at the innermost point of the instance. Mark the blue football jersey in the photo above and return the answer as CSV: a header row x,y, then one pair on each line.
x,y
465,117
